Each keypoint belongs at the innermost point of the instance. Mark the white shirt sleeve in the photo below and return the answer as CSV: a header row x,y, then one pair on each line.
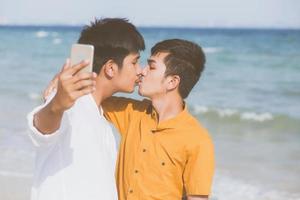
x,y
36,136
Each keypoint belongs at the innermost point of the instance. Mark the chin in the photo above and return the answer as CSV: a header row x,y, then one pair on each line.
x,y
142,93
130,90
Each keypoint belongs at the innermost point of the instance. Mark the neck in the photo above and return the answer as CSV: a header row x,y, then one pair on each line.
x,y
104,89
167,106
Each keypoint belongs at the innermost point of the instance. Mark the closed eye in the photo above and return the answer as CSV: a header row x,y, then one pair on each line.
x,y
151,64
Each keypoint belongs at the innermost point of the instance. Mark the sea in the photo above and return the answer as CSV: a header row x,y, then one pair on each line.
x,y
248,97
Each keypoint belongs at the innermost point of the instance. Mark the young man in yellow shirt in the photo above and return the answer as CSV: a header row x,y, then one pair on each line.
x,y
164,153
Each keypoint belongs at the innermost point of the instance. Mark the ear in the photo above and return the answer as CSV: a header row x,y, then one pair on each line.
x,y
110,69
173,82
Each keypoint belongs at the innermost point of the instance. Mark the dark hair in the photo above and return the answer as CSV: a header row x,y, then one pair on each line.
x,y
112,38
185,59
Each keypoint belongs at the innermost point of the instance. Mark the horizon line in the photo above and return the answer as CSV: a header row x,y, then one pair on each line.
x,y
155,26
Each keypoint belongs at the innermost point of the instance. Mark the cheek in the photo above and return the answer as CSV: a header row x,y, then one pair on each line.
x,y
130,72
155,78
123,80
128,75
154,82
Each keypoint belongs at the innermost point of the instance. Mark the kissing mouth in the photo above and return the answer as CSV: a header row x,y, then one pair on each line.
x,y
139,79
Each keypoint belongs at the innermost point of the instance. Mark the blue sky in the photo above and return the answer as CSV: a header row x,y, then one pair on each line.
x,y
178,13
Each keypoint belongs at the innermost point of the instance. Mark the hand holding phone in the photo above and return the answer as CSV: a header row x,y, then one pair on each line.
x,y
71,83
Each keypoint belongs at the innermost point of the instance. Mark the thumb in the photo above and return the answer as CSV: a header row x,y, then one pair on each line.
x,y
66,65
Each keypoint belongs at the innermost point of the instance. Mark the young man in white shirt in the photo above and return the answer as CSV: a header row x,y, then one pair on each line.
x,y
76,157
164,152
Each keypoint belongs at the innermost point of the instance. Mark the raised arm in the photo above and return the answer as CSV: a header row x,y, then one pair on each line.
x,y
70,86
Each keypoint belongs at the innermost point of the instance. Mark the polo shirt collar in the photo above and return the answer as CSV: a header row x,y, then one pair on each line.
x,y
170,123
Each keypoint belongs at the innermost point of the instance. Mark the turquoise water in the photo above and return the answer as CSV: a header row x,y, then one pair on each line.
x,y
248,98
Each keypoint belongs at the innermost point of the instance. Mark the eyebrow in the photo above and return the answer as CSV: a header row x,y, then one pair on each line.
x,y
150,61
137,57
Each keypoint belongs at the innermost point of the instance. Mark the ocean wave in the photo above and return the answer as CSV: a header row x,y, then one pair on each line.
x,y
241,121
256,117
41,34
227,112
212,49
225,187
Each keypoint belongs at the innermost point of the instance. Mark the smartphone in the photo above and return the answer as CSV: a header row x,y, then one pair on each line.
x,y
80,52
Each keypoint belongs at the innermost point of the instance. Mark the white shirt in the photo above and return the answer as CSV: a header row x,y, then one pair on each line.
x,y
78,160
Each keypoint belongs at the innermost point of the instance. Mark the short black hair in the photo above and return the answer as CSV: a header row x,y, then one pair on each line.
x,y
112,38
185,59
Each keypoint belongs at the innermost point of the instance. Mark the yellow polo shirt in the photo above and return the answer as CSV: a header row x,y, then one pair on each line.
x,y
159,161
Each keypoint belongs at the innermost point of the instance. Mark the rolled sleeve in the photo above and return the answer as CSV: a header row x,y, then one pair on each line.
x,y
38,138
199,170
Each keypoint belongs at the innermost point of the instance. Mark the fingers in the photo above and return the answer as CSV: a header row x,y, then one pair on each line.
x,y
54,82
51,86
84,76
79,82
83,92
71,83
76,68
68,72
66,65
80,85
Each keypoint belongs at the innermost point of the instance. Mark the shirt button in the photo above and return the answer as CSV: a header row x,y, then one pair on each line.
x,y
144,150
152,131
130,191
163,163
136,171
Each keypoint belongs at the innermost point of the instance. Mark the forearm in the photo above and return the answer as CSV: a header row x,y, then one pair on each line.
x,y
48,119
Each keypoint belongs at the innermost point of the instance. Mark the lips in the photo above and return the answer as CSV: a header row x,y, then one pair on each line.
x,y
139,79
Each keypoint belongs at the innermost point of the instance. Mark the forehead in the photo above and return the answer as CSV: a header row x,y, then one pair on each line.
x,y
159,57
132,56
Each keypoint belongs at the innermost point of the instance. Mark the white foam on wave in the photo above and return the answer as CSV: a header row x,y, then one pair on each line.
x,y
201,109
41,34
256,117
212,49
227,112
225,187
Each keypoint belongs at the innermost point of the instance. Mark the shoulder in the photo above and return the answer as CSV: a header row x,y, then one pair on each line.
x,y
126,103
196,134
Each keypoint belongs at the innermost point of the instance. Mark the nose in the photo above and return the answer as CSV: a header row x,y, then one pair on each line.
x,y
144,71
138,70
